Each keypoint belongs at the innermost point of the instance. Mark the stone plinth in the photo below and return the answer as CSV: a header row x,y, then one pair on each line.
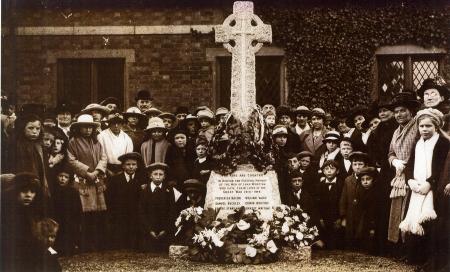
x,y
178,252
302,254
245,187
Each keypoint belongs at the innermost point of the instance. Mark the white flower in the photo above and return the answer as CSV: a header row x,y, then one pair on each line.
x,y
279,215
296,218
271,246
291,237
242,225
250,251
199,210
216,241
299,236
178,222
286,238
305,215
285,228
302,244
289,221
203,244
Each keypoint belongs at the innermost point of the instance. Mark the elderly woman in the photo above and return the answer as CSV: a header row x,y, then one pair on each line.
x,y
424,173
404,106
435,95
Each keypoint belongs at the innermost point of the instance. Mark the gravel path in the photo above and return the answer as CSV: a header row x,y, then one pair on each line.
x,y
322,261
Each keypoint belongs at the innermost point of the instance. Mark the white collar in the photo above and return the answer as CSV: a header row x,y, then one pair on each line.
x,y
127,176
330,182
333,154
201,160
153,186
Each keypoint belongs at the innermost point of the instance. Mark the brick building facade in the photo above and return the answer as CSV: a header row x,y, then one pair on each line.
x,y
169,50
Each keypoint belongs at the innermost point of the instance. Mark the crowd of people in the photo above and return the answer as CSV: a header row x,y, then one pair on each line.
x,y
375,180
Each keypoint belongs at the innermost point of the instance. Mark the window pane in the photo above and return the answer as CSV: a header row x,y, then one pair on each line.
x,y
423,70
391,77
110,78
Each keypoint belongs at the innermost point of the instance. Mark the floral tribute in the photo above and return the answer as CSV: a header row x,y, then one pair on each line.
x,y
292,228
243,237
234,143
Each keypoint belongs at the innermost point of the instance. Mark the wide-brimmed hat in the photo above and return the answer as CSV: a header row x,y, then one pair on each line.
x,y
63,107
359,110
205,114
169,115
130,156
332,136
152,111
155,123
110,100
157,165
319,112
94,106
25,180
358,155
143,95
221,111
302,110
284,110
85,119
115,117
431,83
134,112
369,170
279,130
193,185
407,99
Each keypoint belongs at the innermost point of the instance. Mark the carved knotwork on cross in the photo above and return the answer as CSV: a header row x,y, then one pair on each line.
x,y
243,34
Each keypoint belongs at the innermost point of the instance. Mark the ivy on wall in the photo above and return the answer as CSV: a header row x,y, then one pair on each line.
x,y
330,52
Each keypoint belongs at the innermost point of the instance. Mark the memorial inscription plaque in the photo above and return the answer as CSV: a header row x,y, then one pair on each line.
x,y
245,187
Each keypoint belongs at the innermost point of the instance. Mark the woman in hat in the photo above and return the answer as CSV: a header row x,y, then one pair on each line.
x,y
155,145
428,200
87,160
435,95
21,208
135,122
404,106
115,142
312,140
378,149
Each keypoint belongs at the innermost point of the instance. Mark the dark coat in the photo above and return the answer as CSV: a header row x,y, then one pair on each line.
x,y
156,213
208,164
180,164
123,204
308,143
327,199
68,215
348,206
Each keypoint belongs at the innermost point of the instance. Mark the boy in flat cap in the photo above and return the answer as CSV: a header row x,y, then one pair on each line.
x,y
156,210
122,197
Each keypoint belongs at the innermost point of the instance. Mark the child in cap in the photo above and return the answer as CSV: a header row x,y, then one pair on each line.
x,y
203,164
122,197
331,152
328,192
309,171
169,120
349,198
206,119
67,212
87,159
115,142
156,210
193,194
155,145
366,208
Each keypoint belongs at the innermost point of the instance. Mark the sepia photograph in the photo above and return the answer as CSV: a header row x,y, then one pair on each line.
x,y
221,135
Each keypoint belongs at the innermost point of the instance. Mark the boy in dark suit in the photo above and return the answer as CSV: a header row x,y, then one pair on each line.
x,y
328,193
122,197
349,201
156,210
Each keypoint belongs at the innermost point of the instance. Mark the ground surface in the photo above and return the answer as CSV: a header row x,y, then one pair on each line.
x,y
322,261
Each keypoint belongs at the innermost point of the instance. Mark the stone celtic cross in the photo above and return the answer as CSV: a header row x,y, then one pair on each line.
x,y
243,34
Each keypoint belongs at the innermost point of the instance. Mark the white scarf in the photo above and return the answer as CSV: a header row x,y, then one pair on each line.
x,y
115,145
424,157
